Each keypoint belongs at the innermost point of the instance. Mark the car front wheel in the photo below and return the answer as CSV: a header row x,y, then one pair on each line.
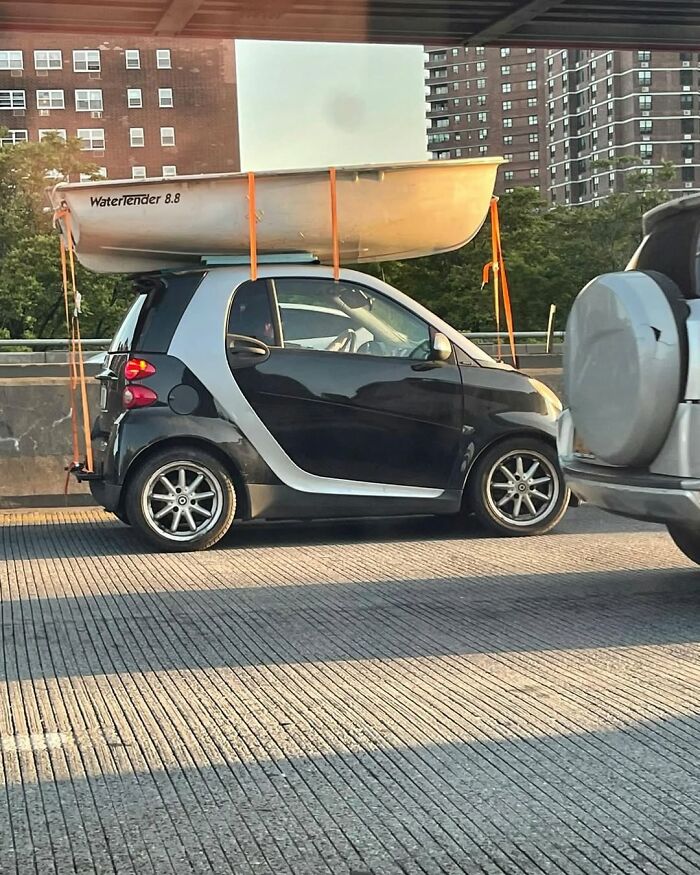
x,y
687,539
181,499
516,488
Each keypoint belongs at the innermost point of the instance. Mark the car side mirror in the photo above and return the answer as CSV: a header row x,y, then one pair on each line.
x,y
440,348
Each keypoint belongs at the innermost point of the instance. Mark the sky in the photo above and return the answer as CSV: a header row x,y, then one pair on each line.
x,y
306,104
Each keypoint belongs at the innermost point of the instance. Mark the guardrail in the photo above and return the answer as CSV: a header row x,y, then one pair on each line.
x,y
103,342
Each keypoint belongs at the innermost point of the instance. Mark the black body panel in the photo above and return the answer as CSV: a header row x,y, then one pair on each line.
x,y
359,417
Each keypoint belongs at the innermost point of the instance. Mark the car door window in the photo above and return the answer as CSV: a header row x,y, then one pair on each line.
x,y
251,312
333,316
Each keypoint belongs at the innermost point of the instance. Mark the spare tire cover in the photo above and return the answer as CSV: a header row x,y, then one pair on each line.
x,y
622,362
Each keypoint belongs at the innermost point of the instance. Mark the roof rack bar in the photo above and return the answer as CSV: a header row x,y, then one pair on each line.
x,y
270,258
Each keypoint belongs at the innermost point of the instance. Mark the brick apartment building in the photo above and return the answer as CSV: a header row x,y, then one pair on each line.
x,y
557,115
142,107
605,106
488,101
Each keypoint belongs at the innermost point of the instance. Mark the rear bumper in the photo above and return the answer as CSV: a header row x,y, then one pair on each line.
x,y
631,493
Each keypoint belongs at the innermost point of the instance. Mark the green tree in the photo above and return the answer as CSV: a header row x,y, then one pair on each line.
x,y
31,289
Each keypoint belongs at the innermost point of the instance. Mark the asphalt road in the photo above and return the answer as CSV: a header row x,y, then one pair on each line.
x,y
399,697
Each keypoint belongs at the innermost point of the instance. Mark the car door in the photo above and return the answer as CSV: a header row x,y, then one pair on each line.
x,y
370,406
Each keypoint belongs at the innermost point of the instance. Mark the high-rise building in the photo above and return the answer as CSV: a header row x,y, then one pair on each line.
x,y
610,114
142,107
488,101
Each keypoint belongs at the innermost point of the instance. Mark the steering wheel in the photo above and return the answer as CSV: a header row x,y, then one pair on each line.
x,y
422,351
344,342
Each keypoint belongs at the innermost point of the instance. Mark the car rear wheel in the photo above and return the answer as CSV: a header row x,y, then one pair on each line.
x,y
687,540
517,488
181,499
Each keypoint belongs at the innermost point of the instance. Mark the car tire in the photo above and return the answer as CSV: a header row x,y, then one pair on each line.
x,y
687,539
181,499
121,516
502,491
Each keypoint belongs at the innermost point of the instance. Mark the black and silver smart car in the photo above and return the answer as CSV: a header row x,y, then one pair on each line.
x,y
296,396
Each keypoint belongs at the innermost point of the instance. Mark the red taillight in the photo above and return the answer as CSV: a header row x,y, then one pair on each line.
x,y
137,369
138,396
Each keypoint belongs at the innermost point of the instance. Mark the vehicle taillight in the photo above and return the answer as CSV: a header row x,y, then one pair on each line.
x,y
137,369
138,396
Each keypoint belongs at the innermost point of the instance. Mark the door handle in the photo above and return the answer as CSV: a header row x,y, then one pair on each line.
x,y
240,347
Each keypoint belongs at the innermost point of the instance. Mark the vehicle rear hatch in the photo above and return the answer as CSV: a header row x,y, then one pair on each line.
x,y
147,328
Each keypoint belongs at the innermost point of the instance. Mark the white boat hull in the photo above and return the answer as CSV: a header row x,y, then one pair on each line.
x,y
384,213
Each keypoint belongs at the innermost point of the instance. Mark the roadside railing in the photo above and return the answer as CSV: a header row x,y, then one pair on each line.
x,y
43,343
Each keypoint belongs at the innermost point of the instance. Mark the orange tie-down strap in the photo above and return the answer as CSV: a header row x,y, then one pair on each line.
x,y
77,380
500,279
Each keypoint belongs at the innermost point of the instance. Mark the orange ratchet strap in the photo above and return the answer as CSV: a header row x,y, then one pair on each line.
x,y
334,224
76,362
500,280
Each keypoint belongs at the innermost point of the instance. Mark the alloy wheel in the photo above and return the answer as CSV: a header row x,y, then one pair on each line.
x,y
182,501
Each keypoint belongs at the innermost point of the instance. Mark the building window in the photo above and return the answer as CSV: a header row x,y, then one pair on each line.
x,y
507,105
532,119
505,51
645,126
481,100
506,87
646,150
437,123
440,73
481,83
163,59
688,174
644,102
136,137
165,98
455,68
686,78
483,117
532,84
93,138
508,156
505,70
132,58
480,66
687,126
533,138
171,169
11,138
688,151
48,59
88,100
11,61
534,172
534,156
455,52
443,156
138,172
508,175
86,61
483,134
531,66
438,57
687,102
167,136
532,101
13,100
455,86
50,99
507,122
483,150
644,77
134,98
508,140
47,132
644,57
439,89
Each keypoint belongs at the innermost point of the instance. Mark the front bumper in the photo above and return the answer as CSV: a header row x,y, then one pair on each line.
x,y
636,494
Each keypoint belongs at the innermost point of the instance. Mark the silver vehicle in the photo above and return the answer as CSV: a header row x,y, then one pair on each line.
x,y
629,438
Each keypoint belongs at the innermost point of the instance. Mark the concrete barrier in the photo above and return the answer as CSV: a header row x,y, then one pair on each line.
x,y
35,430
